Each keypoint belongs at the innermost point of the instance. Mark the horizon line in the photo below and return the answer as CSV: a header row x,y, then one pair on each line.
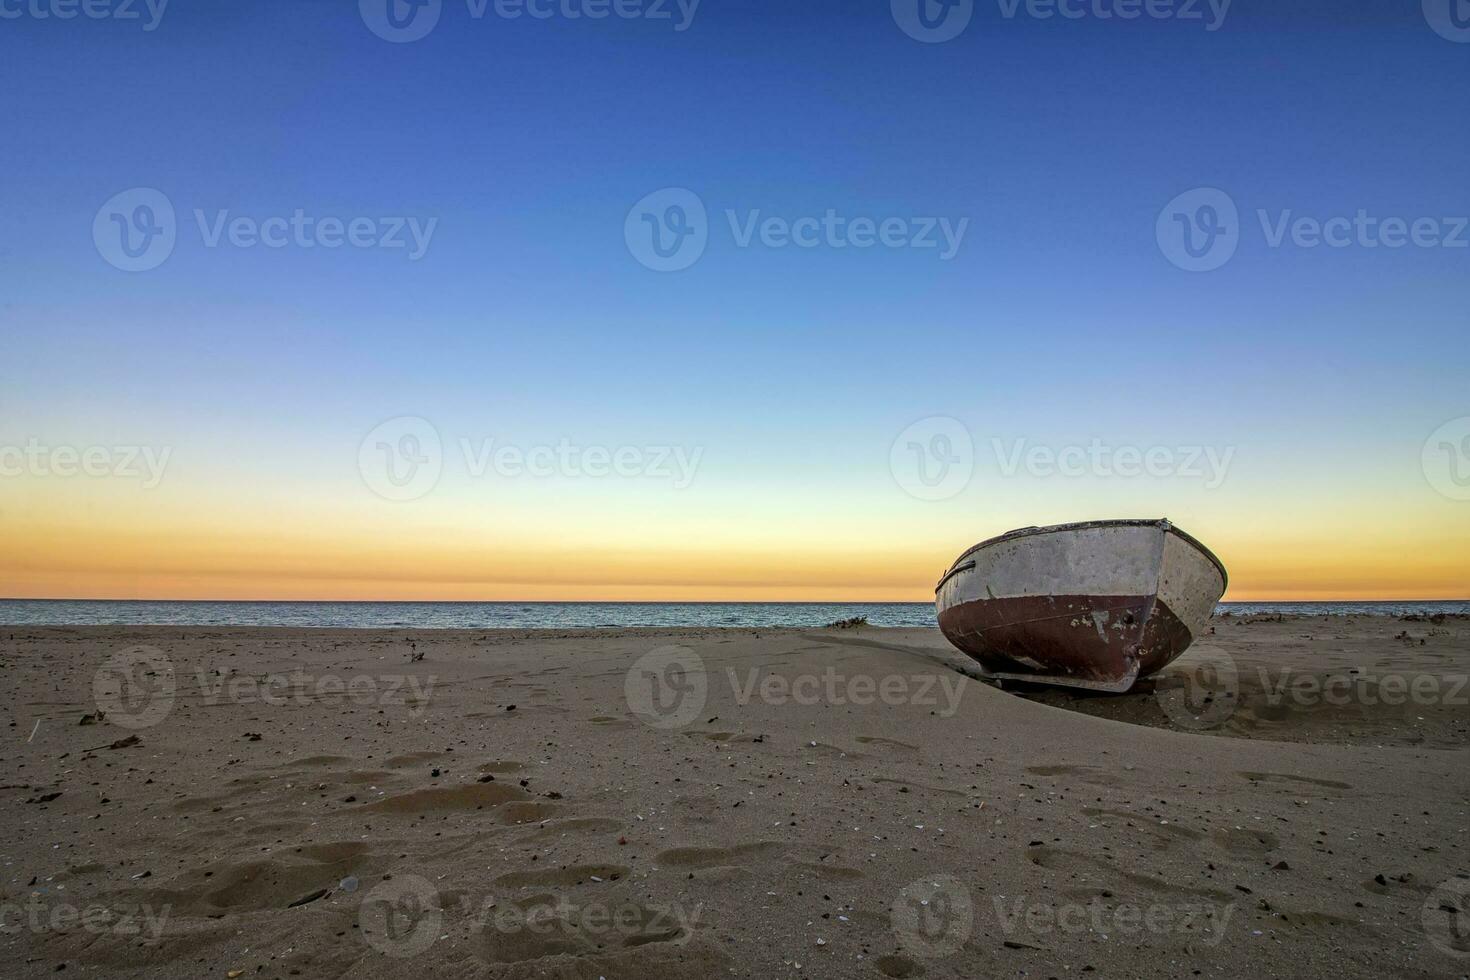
x,y
643,602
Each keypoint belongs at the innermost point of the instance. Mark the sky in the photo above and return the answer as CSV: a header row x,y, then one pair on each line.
x,y
728,300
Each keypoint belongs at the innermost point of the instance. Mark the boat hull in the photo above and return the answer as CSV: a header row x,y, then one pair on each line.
x,y
1094,605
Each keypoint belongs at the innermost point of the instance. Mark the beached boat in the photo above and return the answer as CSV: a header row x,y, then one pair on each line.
x,y
1094,605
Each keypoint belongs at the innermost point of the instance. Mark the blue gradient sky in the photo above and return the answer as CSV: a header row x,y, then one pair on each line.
x,y
1058,321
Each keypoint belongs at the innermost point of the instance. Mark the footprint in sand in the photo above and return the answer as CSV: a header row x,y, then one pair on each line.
x,y
278,882
471,796
713,857
1148,823
627,939
528,812
889,742
1062,860
1090,774
831,872
1061,770
579,825
314,761
1282,777
898,967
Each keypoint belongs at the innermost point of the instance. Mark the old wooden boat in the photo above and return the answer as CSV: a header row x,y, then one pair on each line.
x,y
1093,605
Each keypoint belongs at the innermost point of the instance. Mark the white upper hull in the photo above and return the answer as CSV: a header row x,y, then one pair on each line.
x,y
1095,604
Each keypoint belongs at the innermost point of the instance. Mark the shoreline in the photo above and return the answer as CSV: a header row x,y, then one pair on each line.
x,y
1387,610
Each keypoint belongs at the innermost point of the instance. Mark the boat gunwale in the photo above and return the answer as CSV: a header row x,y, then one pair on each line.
x,y
1024,532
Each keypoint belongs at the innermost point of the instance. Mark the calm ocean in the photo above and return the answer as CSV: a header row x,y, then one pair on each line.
x,y
562,615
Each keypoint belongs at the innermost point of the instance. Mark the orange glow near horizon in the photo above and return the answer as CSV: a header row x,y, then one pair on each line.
x,y
69,561
195,537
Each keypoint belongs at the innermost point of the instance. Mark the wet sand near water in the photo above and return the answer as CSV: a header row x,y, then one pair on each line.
x,y
1365,680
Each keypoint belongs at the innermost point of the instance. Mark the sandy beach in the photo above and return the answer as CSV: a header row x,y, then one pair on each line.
x,y
598,490
742,803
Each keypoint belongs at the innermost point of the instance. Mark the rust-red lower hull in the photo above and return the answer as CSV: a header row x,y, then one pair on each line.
x,y
1102,642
